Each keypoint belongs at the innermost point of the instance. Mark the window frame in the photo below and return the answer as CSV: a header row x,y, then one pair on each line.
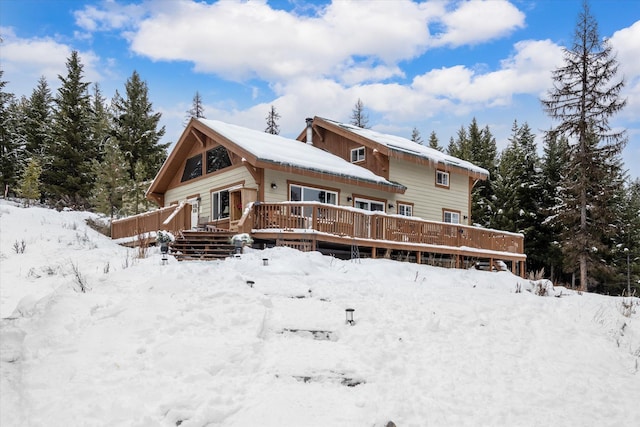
x,y
369,202
358,157
216,197
403,206
191,164
444,174
218,148
451,213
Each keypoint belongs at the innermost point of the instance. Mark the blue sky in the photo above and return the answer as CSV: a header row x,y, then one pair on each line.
x,y
430,65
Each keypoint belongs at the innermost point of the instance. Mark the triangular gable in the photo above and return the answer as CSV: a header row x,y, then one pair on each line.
x,y
395,147
260,150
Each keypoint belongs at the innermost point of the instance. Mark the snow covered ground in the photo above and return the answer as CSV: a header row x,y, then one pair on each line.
x,y
192,344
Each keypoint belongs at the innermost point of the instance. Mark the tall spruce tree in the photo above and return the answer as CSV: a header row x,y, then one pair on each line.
x,y
434,143
272,122
112,180
584,97
100,120
358,116
39,121
517,192
415,136
67,175
135,130
197,108
11,139
554,165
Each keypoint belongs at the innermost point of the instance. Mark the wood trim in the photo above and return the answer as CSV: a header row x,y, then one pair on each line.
x,y
374,199
200,178
402,202
452,211
445,187
224,187
197,137
318,187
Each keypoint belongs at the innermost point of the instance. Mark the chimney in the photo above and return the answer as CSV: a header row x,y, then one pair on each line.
x,y
309,130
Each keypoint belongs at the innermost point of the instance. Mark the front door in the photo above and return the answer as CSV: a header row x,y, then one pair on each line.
x,y
195,212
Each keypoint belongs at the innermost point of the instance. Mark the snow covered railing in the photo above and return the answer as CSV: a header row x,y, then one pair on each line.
x,y
350,222
172,218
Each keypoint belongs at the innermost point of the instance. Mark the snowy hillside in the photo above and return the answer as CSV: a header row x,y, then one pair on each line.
x,y
192,344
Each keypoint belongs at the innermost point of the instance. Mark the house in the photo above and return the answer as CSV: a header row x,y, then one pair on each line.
x,y
333,184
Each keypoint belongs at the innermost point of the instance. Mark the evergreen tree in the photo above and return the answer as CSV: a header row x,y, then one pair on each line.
x,y
433,142
197,108
39,121
133,199
112,180
554,166
67,176
517,192
628,241
100,120
30,182
358,116
583,99
415,136
272,122
11,139
483,153
460,147
135,131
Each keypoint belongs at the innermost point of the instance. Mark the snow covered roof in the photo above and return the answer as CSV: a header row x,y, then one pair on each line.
x,y
406,146
290,152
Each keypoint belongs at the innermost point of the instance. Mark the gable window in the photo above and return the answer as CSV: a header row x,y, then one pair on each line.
x,y
357,155
451,217
217,158
442,179
369,205
192,169
404,209
220,204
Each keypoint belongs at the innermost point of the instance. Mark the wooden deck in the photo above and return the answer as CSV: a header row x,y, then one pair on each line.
x,y
343,230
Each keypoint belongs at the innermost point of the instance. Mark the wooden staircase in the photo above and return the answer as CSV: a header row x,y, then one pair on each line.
x,y
202,245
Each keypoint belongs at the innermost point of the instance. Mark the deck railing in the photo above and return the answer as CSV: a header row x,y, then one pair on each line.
x,y
172,218
344,221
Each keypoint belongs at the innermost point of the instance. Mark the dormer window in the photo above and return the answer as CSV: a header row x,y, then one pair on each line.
x,y
357,155
442,179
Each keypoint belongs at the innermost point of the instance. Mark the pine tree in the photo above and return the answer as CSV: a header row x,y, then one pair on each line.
x,y
39,121
554,165
460,147
483,152
11,139
67,176
434,143
358,116
197,108
112,180
272,122
100,120
415,136
30,182
628,241
517,192
583,99
135,131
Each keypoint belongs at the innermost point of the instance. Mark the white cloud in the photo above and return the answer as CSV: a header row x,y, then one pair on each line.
x,y
626,43
26,60
477,21
110,16
244,40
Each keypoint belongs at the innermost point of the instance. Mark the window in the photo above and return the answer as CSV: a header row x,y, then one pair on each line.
x,y
451,217
406,210
217,158
369,205
357,155
192,169
220,204
299,193
442,179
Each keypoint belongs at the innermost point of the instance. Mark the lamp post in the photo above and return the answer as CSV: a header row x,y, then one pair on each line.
x,y
349,313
